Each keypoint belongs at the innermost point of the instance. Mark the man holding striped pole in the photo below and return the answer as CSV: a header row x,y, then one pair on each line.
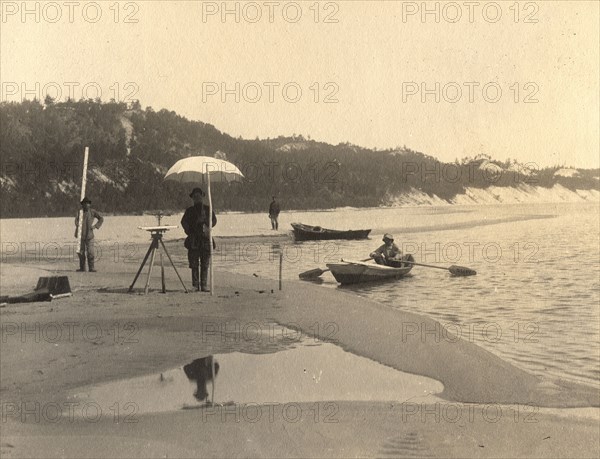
x,y
84,224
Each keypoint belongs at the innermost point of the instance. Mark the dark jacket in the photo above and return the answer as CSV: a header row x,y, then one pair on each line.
x,y
88,224
195,224
274,209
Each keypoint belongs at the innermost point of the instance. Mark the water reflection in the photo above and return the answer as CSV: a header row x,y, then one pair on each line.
x,y
308,373
202,370
534,272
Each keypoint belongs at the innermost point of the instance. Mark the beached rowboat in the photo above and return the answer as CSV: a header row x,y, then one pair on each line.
x,y
314,233
355,272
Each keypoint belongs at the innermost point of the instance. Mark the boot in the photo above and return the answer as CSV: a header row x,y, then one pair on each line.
x,y
195,278
91,266
203,280
81,263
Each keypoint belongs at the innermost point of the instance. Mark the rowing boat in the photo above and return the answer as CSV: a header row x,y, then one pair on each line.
x,y
348,272
313,233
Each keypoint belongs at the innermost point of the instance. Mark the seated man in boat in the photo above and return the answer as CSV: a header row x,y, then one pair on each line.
x,y
388,254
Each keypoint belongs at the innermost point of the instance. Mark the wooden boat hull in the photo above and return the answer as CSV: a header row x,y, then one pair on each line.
x,y
356,272
316,233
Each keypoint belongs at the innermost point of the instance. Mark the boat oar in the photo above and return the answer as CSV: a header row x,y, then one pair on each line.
x,y
317,272
454,270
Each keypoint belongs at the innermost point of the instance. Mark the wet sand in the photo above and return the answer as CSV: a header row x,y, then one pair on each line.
x,y
107,334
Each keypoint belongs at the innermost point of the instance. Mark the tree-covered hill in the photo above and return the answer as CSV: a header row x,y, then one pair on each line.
x,y
41,157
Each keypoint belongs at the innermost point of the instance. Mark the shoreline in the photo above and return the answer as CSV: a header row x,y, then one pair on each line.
x,y
168,334
335,306
55,248
448,207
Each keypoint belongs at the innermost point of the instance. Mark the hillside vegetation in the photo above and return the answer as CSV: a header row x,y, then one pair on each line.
x,y
42,144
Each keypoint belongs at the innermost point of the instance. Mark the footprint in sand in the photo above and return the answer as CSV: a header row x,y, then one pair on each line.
x,y
5,449
408,445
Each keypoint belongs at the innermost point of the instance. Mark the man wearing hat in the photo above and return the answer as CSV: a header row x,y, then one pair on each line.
x,y
87,234
195,223
388,254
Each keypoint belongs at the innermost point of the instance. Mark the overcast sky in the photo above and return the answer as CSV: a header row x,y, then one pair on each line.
x,y
370,61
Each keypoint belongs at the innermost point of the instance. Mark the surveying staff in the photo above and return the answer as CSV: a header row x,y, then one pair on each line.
x,y
195,223
87,234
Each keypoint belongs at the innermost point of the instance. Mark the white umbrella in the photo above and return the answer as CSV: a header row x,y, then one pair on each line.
x,y
204,170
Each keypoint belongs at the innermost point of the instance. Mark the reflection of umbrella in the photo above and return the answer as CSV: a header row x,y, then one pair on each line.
x,y
201,170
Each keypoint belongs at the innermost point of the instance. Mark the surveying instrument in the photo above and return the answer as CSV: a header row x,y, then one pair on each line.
x,y
156,233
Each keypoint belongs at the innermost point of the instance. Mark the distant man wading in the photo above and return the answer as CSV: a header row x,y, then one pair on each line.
x,y
274,214
195,223
388,254
87,234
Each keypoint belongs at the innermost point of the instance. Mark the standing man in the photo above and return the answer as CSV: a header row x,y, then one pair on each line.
x,y
87,234
274,214
195,223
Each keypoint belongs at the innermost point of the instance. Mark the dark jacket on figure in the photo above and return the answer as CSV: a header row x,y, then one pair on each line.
x,y
274,209
195,224
88,224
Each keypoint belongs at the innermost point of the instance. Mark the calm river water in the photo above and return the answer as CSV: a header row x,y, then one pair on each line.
x,y
534,302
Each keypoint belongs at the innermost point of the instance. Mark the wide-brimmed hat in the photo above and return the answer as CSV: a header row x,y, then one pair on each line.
x,y
86,199
196,190
388,237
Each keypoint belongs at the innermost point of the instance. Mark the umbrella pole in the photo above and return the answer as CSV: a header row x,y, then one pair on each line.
x,y
212,369
210,212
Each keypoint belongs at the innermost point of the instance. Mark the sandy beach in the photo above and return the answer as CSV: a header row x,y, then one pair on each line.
x,y
52,351
402,200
